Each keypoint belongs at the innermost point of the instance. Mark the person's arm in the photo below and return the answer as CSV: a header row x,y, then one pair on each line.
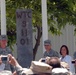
x,y
0,60
16,65
18,69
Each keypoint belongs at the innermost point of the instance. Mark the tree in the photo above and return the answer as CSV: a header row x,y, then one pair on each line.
x,y
64,11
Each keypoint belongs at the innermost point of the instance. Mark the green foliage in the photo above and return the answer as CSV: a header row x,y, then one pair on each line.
x,y
64,11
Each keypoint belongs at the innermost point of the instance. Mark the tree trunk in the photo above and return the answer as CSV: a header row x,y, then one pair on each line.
x,y
39,34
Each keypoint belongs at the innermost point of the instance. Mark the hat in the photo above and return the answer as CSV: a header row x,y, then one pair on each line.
x,y
47,42
64,65
5,72
3,37
60,71
38,67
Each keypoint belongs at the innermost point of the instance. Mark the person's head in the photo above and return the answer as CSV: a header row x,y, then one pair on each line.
x,y
47,45
3,41
39,68
64,50
54,62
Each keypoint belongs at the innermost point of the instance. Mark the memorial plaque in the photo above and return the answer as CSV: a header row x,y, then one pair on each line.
x,y
24,37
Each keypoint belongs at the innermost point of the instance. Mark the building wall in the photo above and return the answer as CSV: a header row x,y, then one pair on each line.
x,y
67,37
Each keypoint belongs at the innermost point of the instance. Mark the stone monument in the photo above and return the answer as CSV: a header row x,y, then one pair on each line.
x,y
24,37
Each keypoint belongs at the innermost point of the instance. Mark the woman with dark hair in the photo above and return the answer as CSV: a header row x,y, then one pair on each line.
x,y
65,57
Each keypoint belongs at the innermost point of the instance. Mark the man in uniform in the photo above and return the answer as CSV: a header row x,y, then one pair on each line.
x,y
4,51
49,51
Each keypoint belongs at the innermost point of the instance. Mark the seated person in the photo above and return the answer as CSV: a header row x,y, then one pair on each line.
x,y
36,67
57,65
52,61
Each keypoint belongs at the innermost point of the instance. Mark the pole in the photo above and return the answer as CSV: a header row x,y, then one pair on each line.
x,y
3,18
44,22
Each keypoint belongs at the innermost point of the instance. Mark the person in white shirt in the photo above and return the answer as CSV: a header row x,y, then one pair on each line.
x,y
65,57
